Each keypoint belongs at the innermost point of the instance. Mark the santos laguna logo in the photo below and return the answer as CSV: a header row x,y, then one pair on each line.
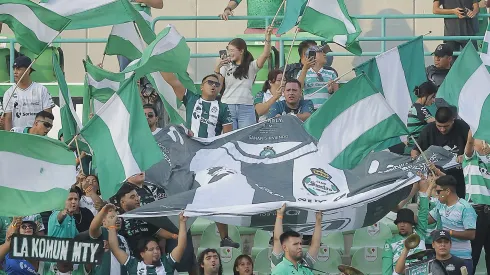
x,y
319,183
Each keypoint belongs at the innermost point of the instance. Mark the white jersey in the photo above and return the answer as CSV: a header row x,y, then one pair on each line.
x,y
25,104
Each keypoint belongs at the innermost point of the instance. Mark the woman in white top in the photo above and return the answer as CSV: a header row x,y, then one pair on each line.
x,y
271,92
238,72
91,194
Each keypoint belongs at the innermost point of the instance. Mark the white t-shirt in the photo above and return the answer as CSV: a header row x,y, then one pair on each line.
x,y
238,91
157,130
25,104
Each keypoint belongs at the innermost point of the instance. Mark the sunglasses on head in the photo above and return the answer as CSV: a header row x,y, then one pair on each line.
x,y
46,124
213,83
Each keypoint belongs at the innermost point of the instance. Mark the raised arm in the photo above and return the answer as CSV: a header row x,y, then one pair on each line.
x,y
400,263
267,48
178,251
156,4
262,108
304,71
12,228
175,83
120,254
277,248
232,4
95,226
316,239
470,146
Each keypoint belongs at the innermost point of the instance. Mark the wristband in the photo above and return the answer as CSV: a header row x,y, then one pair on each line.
x,y
450,233
112,227
228,8
280,216
175,236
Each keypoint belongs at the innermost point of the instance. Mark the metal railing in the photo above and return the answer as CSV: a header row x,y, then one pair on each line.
x,y
267,19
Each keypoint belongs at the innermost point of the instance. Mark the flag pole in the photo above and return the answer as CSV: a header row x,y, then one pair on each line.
x,y
289,55
103,57
74,139
30,66
422,153
278,10
78,151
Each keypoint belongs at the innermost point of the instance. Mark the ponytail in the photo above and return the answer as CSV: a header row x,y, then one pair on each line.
x,y
425,89
242,70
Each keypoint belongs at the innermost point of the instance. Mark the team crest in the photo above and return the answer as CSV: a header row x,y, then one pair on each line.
x,y
214,109
320,183
268,152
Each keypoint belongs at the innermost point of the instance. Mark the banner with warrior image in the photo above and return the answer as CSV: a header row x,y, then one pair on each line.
x,y
243,177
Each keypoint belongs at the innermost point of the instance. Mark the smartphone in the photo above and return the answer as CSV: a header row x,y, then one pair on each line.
x,y
223,54
312,54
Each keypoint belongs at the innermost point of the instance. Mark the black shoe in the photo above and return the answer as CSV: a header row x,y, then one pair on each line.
x,y
227,242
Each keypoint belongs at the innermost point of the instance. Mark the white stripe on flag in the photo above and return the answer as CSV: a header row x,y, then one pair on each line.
x,y
63,103
33,170
331,8
170,41
146,17
472,97
119,129
334,133
30,20
394,83
105,83
63,8
128,32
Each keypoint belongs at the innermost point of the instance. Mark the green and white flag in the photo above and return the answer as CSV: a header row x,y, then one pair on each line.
x,y
331,20
466,87
168,53
476,172
124,40
353,122
90,14
292,13
395,73
485,51
121,139
35,174
34,26
99,86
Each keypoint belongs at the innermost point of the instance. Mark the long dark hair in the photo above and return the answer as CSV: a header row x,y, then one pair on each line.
x,y
237,262
425,89
247,58
271,77
200,260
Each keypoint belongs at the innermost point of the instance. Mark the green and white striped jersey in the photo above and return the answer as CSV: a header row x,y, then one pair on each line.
x,y
477,179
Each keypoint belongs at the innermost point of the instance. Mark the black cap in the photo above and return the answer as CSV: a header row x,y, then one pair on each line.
x,y
440,234
405,215
443,50
22,62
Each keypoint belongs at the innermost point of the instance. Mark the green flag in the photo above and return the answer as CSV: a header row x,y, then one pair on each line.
x,y
294,9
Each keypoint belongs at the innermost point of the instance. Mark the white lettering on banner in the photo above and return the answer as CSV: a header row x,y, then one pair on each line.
x,y
85,251
34,248
49,248
64,250
93,250
41,247
77,251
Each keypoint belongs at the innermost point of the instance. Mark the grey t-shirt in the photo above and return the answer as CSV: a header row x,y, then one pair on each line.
x,y
456,26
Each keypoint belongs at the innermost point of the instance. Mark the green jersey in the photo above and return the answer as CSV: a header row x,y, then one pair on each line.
x,y
109,264
52,269
477,179
262,8
431,227
139,267
205,118
394,246
4,225
286,267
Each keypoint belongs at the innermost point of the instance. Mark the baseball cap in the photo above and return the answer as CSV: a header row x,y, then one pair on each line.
x,y
443,50
440,234
22,62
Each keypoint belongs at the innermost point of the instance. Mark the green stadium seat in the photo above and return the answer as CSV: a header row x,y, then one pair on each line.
x,y
199,225
481,268
389,221
371,236
228,257
368,260
334,240
261,241
262,263
4,69
210,237
328,261
44,72
247,230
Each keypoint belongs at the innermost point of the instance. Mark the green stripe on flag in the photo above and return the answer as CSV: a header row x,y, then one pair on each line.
x,y
40,148
413,63
293,11
19,203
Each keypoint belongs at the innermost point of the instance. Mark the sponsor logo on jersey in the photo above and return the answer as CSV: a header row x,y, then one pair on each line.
x,y
320,183
214,109
267,152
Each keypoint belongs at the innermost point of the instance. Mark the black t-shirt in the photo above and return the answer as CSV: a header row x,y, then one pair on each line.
x,y
436,75
456,26
454,141
134,229
83,219
453,265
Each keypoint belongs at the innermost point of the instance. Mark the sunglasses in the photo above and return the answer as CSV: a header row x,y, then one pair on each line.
x,y
46,124
27,226
150,115
213,83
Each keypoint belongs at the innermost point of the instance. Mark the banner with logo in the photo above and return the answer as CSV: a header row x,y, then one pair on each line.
x,y
242,177
50,249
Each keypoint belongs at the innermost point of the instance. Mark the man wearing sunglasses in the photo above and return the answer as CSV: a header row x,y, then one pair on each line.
x,y
43,123
206,116
152,118
456,216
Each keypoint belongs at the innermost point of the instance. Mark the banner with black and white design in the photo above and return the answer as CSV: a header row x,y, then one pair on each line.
x,y
50,249
242,177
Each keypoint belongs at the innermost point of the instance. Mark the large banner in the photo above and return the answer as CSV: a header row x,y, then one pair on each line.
x,y
50,249
242,177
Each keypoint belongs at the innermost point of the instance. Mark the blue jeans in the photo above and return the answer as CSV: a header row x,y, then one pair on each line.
x,y
123,62
242,115
469,265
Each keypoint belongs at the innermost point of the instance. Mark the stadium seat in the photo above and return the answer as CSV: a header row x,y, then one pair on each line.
x,y
328,261
481,268
210,237
334,240
261,241
368,260
371,236
262,263
228,257
199,225
44,72
389,220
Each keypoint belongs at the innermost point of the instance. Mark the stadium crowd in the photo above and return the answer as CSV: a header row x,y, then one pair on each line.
x,y
455,227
